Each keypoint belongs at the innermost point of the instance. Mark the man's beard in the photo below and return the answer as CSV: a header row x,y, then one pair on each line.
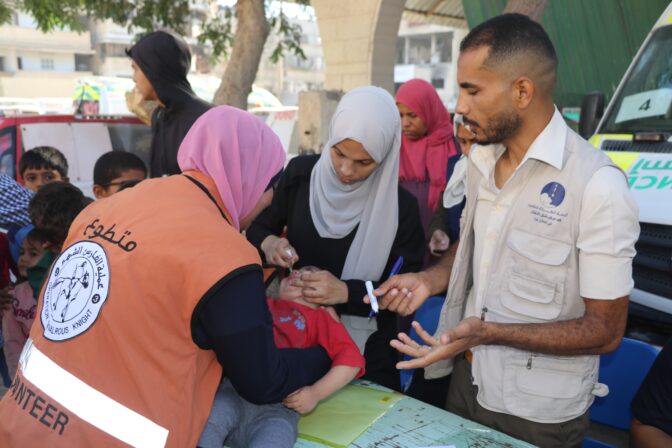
x,y
499,127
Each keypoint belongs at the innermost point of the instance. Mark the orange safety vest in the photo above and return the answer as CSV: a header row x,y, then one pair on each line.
x,y
111,360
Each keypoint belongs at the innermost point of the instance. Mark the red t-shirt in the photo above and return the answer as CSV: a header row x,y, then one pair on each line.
x,y
299,326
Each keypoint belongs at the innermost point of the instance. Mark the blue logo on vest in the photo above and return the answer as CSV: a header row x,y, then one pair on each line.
x,y
552,194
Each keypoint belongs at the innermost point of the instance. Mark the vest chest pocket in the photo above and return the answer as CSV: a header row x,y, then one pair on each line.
x,y
534,288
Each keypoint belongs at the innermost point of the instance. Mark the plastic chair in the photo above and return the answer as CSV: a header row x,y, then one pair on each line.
x,y
623,371
428,316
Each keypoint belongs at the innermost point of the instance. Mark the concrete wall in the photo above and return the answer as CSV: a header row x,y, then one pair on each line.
x,y
54,41
40,84
48,62
315,111
359,40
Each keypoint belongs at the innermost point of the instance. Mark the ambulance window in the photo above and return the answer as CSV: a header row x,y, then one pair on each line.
x,y
135,138
645,101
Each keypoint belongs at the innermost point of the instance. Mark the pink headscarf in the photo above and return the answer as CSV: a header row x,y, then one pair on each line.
x,y
238,151
430,154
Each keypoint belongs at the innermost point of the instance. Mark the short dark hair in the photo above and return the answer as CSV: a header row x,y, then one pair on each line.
x,y
128,184
112,164
510,35
44,157
53,208
35,236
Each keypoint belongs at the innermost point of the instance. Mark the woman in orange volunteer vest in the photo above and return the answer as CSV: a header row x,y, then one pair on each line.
x,y
154,287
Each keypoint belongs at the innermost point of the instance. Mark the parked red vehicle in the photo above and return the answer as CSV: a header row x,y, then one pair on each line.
x,y
82,139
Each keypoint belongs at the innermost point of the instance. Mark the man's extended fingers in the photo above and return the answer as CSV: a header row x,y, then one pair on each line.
x,y
430,358
406,339
406,349
428,338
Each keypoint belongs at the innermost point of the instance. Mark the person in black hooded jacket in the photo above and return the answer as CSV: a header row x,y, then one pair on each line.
x,y
160,62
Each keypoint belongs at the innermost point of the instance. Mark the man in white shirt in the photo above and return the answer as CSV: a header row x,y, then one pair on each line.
x,y
539,284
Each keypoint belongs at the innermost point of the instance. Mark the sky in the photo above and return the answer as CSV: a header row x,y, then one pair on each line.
x,y
292,10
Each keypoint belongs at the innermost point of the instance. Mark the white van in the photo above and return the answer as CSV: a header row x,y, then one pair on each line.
x,y
636,132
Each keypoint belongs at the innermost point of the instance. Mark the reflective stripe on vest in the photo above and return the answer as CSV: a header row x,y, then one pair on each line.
x,y
87,403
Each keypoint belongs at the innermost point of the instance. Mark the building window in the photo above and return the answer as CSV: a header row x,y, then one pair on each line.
x,y
47,64
19,63
113,50
419,49
2,63
83,62
443,48
401,50
425,49
439,83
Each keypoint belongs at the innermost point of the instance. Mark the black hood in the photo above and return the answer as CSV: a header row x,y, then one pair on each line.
x,y
165,59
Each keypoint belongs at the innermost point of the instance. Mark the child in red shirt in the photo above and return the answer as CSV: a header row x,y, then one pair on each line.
x,y
296,324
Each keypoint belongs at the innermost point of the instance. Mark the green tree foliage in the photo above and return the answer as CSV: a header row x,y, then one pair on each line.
x,y
147,15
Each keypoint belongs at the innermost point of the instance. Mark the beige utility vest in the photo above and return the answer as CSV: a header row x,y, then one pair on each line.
x,y
534,279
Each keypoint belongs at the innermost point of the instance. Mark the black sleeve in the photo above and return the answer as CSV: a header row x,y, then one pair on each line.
x,y
272,220
233,320
653,403
408,243
453,215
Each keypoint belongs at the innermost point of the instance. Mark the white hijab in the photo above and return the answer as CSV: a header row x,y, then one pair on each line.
x,y
369,116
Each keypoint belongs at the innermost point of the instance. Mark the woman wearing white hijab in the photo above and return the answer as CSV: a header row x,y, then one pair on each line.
x,y
345,213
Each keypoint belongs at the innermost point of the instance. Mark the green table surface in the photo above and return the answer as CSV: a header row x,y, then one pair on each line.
x,y
412,423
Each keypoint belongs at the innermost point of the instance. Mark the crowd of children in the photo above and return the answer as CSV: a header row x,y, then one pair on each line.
x,y
32,248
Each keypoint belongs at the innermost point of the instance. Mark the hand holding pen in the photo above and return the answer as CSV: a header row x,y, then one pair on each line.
x,y
370,297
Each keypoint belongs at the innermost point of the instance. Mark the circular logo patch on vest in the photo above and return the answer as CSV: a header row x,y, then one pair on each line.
x,y
552,194
77,287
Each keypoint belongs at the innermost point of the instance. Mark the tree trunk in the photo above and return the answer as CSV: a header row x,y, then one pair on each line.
x,y
251,32
534,9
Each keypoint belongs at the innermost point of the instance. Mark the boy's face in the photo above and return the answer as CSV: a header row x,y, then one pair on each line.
x,y
295,293
30,254
465,138
100,191
35,178
142,84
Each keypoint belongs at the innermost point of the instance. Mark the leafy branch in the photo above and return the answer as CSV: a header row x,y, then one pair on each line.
x,y
147,15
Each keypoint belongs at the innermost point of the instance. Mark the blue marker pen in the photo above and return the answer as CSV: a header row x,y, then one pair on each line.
x,y
369,286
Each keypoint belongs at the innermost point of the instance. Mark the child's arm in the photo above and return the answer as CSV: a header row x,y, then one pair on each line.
x,y
14,341
305,399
